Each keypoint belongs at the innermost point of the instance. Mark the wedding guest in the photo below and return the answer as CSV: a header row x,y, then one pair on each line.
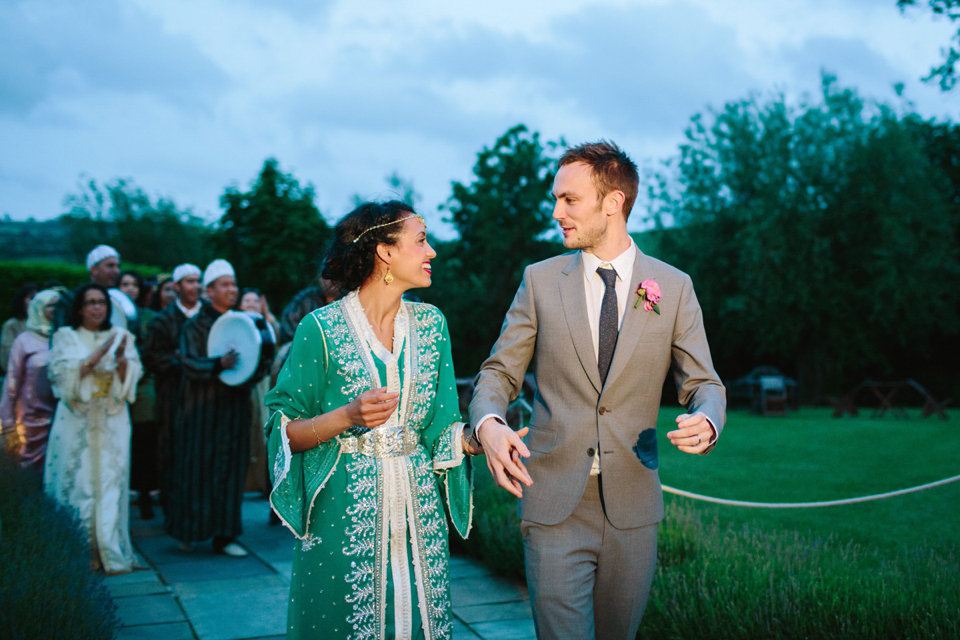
x,y
254,303
143,445
164,294
28,401
103,264
94,369
211,430
161,357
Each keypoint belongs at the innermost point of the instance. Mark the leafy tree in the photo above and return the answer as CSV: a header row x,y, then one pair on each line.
x,y
946,73
144,232
273,234
502,218
819,236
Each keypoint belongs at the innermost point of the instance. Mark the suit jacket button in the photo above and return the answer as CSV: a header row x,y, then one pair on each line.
x,y
602,410
591,452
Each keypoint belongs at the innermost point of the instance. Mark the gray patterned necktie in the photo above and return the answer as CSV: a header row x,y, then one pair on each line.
x,y
608,322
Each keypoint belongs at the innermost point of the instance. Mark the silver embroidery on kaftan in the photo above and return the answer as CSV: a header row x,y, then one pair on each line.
x,y
395,499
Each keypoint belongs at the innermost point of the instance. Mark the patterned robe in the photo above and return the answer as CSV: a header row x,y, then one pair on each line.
x,y
210,439
373,556
88,454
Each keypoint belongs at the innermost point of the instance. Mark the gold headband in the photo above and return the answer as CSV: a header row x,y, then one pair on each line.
x,y
387,224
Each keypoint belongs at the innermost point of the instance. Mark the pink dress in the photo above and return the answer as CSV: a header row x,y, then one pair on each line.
x,y
27,405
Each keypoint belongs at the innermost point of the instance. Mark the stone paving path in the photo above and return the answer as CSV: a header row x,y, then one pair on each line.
x,y
201,595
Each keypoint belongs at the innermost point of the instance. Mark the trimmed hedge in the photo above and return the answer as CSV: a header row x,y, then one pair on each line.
x,y
14,275
47,589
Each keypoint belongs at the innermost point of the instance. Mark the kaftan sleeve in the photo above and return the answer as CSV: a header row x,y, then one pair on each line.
x,y
299,477
126,390
12,383
11,329
66,356
16,372
443,437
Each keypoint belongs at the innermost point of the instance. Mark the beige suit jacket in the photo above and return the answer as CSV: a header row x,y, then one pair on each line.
x,y
573,416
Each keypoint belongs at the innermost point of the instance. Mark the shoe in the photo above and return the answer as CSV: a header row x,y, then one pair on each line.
x,y
185,547
233,550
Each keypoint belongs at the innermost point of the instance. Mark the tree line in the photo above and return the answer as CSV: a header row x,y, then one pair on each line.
x,y
822,235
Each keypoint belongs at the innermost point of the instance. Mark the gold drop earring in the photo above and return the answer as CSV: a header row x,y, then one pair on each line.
x,y
389,277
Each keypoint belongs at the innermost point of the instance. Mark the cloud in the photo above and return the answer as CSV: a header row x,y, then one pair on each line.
x,y
53,48
851,59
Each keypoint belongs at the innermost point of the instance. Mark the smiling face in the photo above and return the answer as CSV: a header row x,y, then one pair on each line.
x,y
94,309
250,302
223,293
409,259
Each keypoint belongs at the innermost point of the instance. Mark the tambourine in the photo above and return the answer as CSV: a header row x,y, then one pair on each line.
x,y
236,330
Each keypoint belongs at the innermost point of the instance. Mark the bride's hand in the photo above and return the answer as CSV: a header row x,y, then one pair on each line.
x,y
471,446
372,408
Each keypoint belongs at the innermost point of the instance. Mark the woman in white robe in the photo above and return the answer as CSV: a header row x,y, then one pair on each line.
x,y
94,369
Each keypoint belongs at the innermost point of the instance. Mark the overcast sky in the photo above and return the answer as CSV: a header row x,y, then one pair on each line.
x,y
187,97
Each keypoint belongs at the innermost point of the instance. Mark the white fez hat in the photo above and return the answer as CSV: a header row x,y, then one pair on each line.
x,y
216,269
100,252
184,270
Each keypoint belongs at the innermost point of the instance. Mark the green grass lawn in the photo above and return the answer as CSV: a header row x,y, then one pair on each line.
x,y
810,456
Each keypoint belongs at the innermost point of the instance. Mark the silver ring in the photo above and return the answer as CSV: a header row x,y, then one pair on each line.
x,y
698,440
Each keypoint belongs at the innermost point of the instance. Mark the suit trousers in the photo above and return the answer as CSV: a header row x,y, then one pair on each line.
x,y
588,579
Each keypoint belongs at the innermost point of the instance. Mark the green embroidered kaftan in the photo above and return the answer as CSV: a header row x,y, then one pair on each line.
x,y
373,559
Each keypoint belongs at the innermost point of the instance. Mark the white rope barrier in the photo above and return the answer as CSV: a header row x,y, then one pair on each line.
x,y
801,505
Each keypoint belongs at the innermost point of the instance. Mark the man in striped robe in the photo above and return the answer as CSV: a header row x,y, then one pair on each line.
x,y
211,439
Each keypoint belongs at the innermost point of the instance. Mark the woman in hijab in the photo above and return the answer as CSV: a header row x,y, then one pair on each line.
x,y
27,400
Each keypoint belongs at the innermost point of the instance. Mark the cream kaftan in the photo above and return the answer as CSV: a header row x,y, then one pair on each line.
x,y
88,455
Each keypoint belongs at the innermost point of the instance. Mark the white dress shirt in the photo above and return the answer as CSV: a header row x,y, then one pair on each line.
x,y
594,288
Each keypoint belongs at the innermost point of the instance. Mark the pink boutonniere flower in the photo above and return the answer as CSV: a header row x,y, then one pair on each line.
x,y
649,292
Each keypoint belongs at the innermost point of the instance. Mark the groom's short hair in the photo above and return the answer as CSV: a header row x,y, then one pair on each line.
x,y
611,168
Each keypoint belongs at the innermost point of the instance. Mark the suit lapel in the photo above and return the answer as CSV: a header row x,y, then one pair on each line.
x,y
574,302
634,321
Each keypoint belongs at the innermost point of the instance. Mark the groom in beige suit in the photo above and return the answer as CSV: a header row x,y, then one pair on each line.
x,y
586,472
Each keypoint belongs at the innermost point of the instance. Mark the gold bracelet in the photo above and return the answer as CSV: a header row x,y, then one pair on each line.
x,y
314,429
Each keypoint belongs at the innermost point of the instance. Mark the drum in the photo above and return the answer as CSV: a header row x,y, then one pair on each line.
x,y
236,330
123,312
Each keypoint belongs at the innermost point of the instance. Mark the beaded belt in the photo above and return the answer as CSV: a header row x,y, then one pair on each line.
x,y
382,442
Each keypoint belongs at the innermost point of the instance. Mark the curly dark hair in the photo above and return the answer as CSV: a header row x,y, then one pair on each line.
x,y
349,261
75,318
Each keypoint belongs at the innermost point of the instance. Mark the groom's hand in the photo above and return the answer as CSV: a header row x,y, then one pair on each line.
x,y
694,433
504,448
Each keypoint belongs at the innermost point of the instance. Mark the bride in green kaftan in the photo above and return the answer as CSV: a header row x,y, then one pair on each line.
x,y
366,443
